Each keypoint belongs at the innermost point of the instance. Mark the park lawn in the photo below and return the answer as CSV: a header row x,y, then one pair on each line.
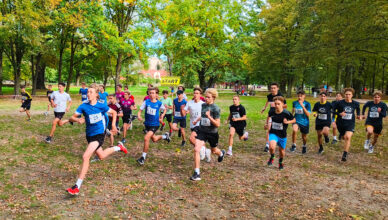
x,y
34,175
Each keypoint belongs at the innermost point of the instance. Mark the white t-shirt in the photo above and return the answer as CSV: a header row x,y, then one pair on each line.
x,y
61,100
194,109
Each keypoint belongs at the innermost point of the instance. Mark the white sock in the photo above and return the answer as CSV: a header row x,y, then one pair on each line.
x,y
79,183
267,144
116,148
230,148
222,154
335,137
196,170
144,155
164,137
367,140
294,144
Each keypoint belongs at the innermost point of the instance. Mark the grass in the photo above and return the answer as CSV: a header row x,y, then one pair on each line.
x,y
34,175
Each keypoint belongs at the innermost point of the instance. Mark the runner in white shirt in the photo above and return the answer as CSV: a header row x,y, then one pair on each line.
x,y
193,108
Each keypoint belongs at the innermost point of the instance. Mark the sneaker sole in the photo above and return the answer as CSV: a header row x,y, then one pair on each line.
x,y
196,179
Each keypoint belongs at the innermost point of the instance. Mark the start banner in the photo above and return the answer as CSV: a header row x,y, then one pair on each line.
x,y
170,81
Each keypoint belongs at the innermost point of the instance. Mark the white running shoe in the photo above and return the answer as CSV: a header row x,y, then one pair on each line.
x,y
366,145
370,150
208,154
229,153
246,136
202,153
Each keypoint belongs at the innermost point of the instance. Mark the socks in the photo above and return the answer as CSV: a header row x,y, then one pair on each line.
x,y
280,160
164,137
272,156
144,155
196,170
222,154
320,146
79,183
335,137
267,144
230,148
115,148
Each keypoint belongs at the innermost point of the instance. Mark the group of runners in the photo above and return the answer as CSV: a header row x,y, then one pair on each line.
x,y
101,113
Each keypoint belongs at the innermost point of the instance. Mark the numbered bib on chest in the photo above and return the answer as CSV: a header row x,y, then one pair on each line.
x,y
299,111
177,114
277,126
151,111
84,96
348,116
196,114
236,115
205,122
322,116
374,114
94,118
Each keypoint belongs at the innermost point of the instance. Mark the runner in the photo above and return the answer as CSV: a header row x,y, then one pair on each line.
x,y
278,121
48,94
130,96
374,121
167,102
26,102
119,93
274,92
237,118
152,121
181,88
322,111
301,110
59,101
94,113
127,106
84,92
114,105
208,131
346,120
193,108
103,95
179,117
338,97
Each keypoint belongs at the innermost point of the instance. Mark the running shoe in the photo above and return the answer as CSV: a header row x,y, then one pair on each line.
x,y
270,162
46,113
344,158
202,153
141,161
208,155
366,145
266,149
123,140
48,139
370,150
107,132
281,167
195,177
246,136
320,151
327,139
183,143
133,117
73,190
334,141
122,147
304,150
293,148
95,159
168,138
221,158
229,153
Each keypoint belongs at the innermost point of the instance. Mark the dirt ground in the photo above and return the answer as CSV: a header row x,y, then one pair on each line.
x,y
34,176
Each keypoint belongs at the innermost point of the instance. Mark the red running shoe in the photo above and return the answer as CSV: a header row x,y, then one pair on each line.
x,y
73,190
122,147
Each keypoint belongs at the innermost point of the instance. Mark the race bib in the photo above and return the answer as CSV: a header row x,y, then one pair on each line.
x,y
277,126
205,122
84,96
151,111
236,115
94,118
348,116
374,114
322,116
299,111
177,114
196,114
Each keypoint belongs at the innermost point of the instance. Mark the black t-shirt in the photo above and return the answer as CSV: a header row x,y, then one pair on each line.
x,y
349,108
375,117
270,100
324,112
237,112
277,125
48,94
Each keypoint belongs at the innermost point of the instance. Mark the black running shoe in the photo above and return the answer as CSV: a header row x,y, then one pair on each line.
x,y
195,177
293,148
304,150
334,141
320,151
266,149
133,117
141,160
221,158
48,139
344,158
270,162
183,143
123,140
179,133
168,137
72,123
281,166
327,139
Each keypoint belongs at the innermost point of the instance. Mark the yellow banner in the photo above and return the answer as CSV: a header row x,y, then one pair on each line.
x,y
170,81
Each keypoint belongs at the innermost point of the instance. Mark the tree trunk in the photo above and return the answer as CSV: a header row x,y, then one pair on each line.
x,y
169,61
1,70
40,72
17,71
71,66
34,70
290,83
372,90
106,75
118,69
338,77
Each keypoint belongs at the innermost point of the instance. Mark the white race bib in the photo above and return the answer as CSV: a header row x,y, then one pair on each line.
x,y
348,116
84,96
299,111
177,114
94,118
196,114
322,116
236,115
151,111
374,114
205,122
277,126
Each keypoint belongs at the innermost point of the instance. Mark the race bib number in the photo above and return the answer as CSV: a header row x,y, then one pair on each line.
x,y
277,126
84,96
299,111
374,114
94,118
196,114
151,111
205,122
236,115
347,116
322,116
24,98
177,114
